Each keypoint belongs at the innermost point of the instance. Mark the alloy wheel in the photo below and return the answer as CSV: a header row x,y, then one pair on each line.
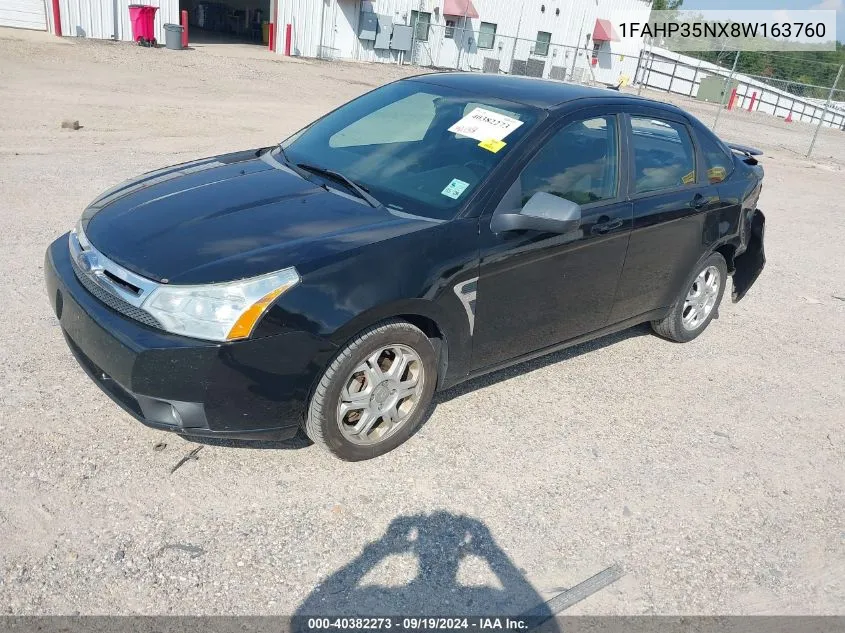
x,y
701,297
380,394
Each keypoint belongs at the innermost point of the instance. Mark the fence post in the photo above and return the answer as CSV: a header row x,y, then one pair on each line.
x,y
414,60
650,58
824,112
463,37
694,79
639,64
672,78
725,91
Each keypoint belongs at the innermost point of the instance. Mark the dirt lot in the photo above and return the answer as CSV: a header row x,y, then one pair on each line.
x,y
713,472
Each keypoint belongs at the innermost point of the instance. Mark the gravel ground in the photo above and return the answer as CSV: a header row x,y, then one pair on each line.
x,y
711,472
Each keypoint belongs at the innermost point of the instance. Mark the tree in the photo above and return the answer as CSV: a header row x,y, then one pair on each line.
x,y
666,5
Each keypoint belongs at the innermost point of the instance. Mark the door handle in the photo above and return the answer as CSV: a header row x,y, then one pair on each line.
x,y
601,228
698,201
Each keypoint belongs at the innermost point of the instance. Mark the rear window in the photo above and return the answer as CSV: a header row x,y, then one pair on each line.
x,y
718,159
664,157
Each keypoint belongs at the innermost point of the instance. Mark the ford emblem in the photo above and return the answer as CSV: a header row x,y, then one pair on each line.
x,y
88,262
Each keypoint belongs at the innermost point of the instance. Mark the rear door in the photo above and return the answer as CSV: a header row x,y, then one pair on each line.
x,y
672,199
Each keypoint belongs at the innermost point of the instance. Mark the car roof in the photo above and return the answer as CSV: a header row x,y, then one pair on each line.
x,y
542,93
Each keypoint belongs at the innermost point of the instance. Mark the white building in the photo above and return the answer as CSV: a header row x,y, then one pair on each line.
x,y
569,36
572,39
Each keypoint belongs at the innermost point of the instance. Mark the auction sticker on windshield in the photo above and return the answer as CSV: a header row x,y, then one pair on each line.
x,y
455,188
492,145
485,125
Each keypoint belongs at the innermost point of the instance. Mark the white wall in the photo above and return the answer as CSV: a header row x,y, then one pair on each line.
x,y
109,19
23,14
306,17
330,27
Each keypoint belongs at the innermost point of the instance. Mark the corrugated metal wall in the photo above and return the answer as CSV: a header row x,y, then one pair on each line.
x,y
329,28
109,19
305,16
23,14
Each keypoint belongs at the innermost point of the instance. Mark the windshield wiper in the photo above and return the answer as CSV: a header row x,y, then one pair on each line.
x,y
336,175
287,162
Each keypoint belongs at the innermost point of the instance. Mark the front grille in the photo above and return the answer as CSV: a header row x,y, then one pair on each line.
x,y
113,301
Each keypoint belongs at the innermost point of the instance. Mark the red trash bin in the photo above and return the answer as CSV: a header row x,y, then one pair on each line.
x,y
143,18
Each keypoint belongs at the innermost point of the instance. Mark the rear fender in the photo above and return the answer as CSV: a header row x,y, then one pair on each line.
x,y
749,265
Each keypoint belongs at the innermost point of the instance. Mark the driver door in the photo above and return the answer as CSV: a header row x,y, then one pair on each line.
x,y
538,289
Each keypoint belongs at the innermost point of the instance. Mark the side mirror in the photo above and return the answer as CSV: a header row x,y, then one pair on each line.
x,y
543,212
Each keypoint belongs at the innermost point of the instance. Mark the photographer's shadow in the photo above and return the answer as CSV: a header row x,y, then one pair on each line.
x,y
439,542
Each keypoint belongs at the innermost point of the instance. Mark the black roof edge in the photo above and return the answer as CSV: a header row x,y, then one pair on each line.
x,y
551,106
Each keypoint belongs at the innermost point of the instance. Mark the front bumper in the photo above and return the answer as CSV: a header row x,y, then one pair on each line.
x,y
252,389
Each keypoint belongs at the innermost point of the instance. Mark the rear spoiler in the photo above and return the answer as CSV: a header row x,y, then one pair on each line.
x,y
748,152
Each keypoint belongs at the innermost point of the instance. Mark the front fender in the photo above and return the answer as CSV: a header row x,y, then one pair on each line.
x,y
450,320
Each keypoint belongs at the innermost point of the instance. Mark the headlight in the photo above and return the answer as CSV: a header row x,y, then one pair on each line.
x,y
218,312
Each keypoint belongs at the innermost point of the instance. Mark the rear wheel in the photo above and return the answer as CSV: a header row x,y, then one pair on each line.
x,y
699,302
375,393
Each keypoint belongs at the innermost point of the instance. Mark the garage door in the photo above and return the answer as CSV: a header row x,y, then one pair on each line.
x,y
23,14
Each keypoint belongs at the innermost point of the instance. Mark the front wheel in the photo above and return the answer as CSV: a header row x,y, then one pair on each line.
x,y
695,308
375,393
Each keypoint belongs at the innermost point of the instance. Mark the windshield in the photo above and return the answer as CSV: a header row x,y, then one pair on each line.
x,y
418,148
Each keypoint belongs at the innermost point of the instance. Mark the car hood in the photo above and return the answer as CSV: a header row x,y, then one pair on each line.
x,y
230,217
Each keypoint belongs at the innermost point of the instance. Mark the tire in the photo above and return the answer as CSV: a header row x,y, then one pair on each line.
x,y
697,304
361,388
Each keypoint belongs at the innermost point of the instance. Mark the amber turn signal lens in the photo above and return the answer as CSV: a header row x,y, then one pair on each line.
x,y
244,325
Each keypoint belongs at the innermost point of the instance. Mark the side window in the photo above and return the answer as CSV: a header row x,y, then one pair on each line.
x,y
579,163
421,20
486,35
717,158
403,121
664,157
541,45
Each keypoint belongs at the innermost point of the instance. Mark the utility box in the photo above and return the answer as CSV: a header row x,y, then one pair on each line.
x,y
402,36
535,67
385,30
491,65
713,88
518,66
368,26
558,72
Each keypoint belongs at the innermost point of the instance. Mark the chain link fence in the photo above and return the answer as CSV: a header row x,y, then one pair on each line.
x,y
455,48
773,109
762,99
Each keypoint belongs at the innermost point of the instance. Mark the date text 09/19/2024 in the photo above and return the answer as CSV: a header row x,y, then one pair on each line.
x,y
480,623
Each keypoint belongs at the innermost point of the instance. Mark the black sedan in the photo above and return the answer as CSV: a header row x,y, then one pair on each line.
x,y
432,230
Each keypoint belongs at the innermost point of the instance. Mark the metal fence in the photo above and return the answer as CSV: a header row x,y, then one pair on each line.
x,y
787,112
455,48
775,108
